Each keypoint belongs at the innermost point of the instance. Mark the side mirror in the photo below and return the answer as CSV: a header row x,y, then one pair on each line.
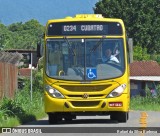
x,y
39,50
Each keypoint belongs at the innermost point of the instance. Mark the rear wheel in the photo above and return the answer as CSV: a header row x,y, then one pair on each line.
x,y
68,117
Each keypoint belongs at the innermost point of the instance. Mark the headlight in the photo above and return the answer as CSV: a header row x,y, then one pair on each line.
x,y
118,91
53,92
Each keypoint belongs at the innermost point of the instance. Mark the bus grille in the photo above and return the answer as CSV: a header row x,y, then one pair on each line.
x,y
84,103
89,96
87,88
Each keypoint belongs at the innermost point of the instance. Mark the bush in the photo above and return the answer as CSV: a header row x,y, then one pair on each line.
x,y
21,107
145,103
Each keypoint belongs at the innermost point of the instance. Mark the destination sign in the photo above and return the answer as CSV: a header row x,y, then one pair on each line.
x,y
84,28
71,28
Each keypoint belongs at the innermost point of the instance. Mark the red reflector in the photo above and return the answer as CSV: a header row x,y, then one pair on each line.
x,y
115,104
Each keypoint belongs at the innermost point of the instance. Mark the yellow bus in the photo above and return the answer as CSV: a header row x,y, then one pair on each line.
x,y
86,68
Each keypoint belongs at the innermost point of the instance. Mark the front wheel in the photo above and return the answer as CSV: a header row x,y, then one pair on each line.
x,y
120,116
123,117
53,118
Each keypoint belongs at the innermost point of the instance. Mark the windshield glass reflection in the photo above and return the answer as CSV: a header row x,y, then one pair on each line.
x,y
84,59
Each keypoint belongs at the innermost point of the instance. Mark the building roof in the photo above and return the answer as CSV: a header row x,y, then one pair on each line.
x,y
145,78
144,68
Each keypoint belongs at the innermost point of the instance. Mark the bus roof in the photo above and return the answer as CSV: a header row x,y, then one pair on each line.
x,y
85,17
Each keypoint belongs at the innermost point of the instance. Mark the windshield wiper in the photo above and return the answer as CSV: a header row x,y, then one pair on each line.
x,y
97,44
69,45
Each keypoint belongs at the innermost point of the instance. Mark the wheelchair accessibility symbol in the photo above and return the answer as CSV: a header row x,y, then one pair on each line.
x,y
91,73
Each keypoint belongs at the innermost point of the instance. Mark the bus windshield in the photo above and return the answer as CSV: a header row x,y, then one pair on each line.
x,y
84,59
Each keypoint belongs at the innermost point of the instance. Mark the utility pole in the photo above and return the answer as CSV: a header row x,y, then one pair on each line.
x,y
31,91
130,43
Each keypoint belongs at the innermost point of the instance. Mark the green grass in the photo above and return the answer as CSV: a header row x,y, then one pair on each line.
x,y
147,103
10,122
21,109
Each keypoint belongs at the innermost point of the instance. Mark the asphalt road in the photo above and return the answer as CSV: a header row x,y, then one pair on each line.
x,y
98,125
151,118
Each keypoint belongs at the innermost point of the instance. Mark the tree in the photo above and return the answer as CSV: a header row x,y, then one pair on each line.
x,y
22,36
140,53
15,27
141,17
4,35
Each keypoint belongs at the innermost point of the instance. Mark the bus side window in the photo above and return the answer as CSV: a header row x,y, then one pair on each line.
x,y
54,60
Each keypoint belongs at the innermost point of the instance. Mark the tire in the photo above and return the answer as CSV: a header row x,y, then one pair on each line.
x,y
123,117
113,116
127,115
68,119
53,118
120,116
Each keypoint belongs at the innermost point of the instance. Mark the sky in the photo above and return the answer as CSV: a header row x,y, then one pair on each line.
x,y
13,11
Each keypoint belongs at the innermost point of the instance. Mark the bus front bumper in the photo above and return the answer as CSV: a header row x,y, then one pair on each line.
x,y
120,103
